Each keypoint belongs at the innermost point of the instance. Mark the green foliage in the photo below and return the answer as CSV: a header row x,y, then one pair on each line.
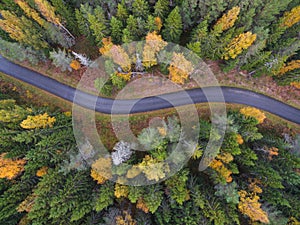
x,y
122,13
116,30
177,186
140,8
98,25
189,11
67,14
105,196
82,20
61,59
228,191
153,197
173,26
161,8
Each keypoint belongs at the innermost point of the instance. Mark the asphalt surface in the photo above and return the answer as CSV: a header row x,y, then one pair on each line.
x,y
110,106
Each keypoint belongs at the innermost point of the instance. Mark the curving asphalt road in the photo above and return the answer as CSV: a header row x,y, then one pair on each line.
x,y
110,106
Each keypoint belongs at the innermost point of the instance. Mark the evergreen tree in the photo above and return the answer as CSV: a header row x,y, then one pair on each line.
x,y
64,10
267,12
82,20
116,30
161,8
212,8
189,11
98,23
173,26
61,59
140,8
122,13
130,33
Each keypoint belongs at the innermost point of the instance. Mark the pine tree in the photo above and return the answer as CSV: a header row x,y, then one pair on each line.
x,y
130,33
122,13
189,11
61,59
267,12
22,30
82,20
98,23
212,8
116,30
161,8
140,8
173,26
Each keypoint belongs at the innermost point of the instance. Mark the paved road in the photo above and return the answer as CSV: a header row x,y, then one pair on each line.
x,y
110,106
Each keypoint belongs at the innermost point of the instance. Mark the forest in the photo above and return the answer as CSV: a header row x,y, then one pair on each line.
x,y
46,178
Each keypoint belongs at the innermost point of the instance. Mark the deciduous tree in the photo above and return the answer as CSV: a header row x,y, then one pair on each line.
x,y
10,168
179,68
238,44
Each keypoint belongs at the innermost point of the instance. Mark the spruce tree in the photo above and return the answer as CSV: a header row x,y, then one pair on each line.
x,y
82,20
64,10
161,8
140,8
188,11
122,13
173,26
98,23
116,30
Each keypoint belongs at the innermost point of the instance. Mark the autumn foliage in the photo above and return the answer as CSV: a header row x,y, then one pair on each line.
x,y
292,17
253,112
238,44
154,43
179,68
295,64
250,206
38,121
75,65
220,168
10,168
227,20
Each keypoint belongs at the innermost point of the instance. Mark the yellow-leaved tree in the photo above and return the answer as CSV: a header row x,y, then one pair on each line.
x,y
38,121
238,44
290,18
228,19
221,169
250,206
154,43
10,168
30,12
101,170
292,65
179,68
253,112
48,12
